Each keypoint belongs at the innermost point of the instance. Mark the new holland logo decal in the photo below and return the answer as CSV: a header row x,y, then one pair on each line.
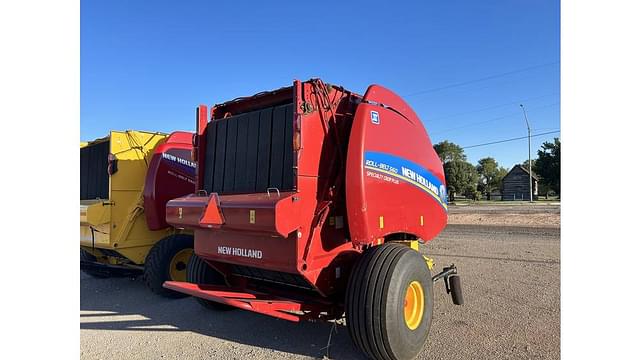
x,y
394,169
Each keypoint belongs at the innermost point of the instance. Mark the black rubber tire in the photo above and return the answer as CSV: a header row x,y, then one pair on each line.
x,y
199,272
374,303
87,256
156,265
456,290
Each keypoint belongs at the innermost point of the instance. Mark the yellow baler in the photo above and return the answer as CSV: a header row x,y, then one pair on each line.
x,y
126,180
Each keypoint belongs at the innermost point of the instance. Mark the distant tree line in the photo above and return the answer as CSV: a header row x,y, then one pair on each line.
x,y
474,182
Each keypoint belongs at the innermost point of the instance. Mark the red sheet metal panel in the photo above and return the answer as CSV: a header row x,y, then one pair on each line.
x,y
171,174
394,179
247,248
274,213
186,211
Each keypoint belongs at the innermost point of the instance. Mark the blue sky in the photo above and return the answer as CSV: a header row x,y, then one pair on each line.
x,y
464,66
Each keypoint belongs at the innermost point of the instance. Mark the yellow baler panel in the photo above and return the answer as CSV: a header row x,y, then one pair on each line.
x,y
119,223
95,213
100,237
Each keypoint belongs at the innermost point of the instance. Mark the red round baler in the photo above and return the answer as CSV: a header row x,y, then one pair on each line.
x,y
309,204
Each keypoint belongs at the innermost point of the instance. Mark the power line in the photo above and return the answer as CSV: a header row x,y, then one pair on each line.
x,y
479,87
542,129
481,79
513,139
476,88
492,107
490,120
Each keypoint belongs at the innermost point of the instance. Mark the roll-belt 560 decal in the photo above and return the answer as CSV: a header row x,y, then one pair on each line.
x,y
404,170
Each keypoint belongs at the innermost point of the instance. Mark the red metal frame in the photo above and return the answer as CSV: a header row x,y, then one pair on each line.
x,y
199,142
267,304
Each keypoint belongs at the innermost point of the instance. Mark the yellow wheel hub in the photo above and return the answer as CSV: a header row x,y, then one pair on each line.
x,y
413,305
178,265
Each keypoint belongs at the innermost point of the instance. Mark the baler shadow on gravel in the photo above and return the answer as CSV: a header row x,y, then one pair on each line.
x,y
310,204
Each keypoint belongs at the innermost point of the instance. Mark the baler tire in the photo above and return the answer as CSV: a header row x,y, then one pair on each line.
x,y
375,302
158,262
87,256
456,290
199,272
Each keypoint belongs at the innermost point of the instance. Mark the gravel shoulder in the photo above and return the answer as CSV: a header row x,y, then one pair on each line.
x,y
506,215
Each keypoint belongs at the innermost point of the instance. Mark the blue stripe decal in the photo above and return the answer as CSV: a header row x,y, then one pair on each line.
x,y
407,171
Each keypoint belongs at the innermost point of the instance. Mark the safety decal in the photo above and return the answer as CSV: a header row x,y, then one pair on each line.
x,y
397,168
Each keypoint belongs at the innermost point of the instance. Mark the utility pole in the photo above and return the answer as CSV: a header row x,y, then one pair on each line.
x,y
530,173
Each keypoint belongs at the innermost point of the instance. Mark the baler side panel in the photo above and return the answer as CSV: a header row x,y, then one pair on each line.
x,y
130,233
394,180
117,222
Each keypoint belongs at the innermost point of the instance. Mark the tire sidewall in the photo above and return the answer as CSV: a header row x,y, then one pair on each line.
x,y
404,342
158,262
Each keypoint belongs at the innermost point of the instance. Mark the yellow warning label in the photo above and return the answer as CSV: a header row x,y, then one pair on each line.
x,y
252,216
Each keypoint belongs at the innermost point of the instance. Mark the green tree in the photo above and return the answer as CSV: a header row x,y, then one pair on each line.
x,y
448,151
461,177
547,166
502,172
543,189
525,164
490,175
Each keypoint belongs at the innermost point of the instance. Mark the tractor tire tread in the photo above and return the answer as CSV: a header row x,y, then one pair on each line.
x,y
367,298
156,267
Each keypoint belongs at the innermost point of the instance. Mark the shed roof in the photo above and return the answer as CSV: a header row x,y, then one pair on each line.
x,y
536,177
